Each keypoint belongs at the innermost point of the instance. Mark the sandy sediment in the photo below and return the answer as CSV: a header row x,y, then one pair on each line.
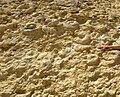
x,y
47,48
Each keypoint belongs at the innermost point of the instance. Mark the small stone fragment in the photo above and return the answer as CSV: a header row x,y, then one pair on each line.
x,y
82,48
30,10
93,60
86,40
30,26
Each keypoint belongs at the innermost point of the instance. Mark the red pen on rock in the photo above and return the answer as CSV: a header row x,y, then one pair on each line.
x,y
110,47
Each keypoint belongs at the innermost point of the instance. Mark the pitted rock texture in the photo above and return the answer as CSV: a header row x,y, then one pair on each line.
x,y
47,48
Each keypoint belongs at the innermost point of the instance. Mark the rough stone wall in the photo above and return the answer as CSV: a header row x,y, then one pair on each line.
x,y
47,48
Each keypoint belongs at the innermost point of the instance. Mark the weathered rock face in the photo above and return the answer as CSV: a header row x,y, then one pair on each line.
x,y
47,48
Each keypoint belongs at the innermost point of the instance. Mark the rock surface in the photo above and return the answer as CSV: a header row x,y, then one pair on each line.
x,y
47,48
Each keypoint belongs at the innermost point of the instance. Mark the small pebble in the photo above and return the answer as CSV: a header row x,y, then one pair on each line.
x,y
30,26
93,60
